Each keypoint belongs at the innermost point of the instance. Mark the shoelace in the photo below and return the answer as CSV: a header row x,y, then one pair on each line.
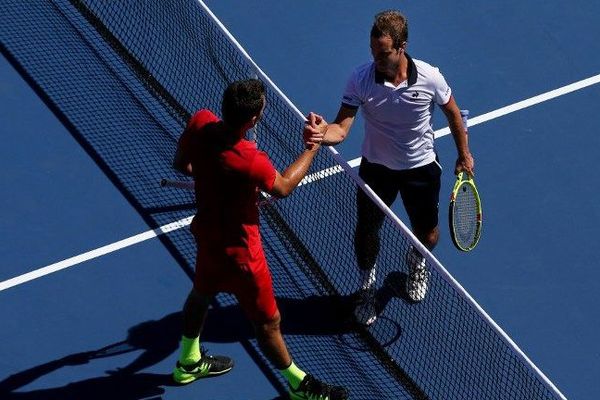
x,y
419,275
315,389
203,364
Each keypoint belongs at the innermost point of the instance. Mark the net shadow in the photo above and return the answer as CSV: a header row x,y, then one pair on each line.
x,y
123,77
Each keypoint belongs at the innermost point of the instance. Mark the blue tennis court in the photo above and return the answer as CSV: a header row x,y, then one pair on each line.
x,y
81,332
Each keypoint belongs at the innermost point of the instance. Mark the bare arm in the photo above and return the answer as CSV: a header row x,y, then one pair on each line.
x,y
334,133
465,160
287,181
181,164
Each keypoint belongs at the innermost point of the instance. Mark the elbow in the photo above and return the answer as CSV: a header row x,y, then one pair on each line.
x,y
281,193
287,192
282,188
338,137
184,168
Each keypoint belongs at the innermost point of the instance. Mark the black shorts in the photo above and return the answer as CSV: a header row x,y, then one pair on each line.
x,y
418,187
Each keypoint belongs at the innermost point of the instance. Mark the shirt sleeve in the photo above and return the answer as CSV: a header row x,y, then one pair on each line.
x,y
263,172
194,125
441,89
351,96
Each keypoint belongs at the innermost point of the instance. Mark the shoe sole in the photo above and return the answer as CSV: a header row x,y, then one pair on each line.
x,y
193,378
294,396
370,321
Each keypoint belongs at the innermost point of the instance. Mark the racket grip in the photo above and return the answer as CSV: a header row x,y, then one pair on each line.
x,y
464,114
187,185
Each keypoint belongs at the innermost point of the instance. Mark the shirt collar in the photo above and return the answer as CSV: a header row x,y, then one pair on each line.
x,y
412,73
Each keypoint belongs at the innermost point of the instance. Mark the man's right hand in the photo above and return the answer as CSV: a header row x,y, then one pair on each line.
x,y
314,131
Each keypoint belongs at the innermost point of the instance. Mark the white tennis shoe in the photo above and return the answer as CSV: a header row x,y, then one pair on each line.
x,y
418,277
365,311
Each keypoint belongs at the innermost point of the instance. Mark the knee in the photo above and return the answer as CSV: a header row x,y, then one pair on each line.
x,y
432,238
196,300
366,232
429,238
269,327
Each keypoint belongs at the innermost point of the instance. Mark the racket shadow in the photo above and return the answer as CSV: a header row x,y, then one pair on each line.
x,y
118,386
121,383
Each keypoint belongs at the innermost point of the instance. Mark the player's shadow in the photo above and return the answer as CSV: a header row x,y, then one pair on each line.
x,y
394,286
159,339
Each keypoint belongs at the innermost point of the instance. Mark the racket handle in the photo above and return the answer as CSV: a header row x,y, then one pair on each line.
x,y
464,114
187,185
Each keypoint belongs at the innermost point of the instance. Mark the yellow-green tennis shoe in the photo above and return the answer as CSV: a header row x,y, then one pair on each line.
x,y
313,389
207,366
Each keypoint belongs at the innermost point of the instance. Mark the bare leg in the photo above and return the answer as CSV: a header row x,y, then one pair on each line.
x,y
428,237
366,244
271,342
194,313
192,363
303,386
418,277
366,236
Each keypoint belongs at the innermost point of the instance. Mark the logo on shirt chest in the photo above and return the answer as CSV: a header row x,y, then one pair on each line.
x,y
409,97
399,98
416,97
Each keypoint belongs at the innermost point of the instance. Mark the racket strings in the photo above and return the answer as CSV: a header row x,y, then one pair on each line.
x,y
466,215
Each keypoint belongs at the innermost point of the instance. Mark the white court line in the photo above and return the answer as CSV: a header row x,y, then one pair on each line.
x,y
514,107
69,262
318,175
526,103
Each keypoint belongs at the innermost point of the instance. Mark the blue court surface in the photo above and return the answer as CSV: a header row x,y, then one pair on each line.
x,y
71,334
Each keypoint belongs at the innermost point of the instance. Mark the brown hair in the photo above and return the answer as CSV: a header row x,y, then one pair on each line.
x,y
393,24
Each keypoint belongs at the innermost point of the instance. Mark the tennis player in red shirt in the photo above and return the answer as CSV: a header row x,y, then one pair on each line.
x,y
229,171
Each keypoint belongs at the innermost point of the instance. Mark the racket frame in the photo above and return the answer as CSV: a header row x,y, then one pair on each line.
x,y
460,181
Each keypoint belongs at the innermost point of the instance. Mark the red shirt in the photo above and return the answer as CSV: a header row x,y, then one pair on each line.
x,y
228,173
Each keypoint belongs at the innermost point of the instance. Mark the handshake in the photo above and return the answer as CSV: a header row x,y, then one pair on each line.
x,y
314,131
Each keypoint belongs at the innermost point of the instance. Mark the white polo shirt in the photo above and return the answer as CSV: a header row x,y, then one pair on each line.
x,y
398,120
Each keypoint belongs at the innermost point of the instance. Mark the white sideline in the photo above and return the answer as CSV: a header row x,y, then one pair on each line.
x,y
69,262
121,244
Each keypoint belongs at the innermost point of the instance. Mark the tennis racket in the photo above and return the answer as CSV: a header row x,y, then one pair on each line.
x,y
186,185
465,214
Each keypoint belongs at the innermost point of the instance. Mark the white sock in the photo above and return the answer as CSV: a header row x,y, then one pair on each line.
x,y
368,278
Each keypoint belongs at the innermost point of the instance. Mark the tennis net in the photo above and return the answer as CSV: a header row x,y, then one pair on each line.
x,y
124,77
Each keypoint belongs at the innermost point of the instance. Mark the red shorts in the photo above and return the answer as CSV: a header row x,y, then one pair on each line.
x,y
234,271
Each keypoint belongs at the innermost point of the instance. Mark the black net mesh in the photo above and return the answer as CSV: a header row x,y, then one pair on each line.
x,y
124,77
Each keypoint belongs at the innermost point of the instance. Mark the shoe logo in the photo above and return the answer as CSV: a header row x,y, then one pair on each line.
x,y
415,95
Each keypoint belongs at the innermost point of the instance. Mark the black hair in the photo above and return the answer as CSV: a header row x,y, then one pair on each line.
x,y
242,100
